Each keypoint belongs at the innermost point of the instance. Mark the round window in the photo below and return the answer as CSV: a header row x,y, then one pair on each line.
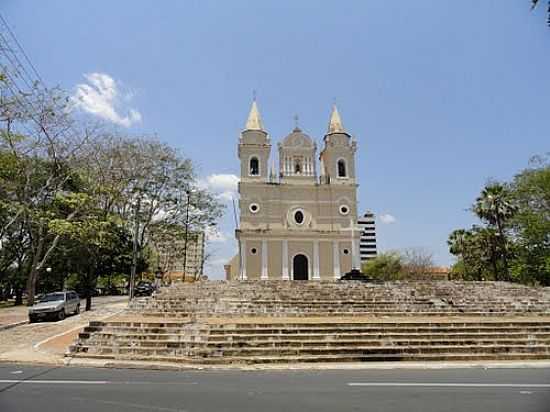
x,y
299,217
346,251
254,207
253,250
344,210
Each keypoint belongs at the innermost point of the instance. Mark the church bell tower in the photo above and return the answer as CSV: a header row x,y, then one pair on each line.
x,y
254,148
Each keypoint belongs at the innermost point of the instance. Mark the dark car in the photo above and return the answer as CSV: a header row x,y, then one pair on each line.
x,y
355,274
144,288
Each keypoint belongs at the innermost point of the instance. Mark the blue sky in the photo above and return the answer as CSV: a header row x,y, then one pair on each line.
x,y
441,95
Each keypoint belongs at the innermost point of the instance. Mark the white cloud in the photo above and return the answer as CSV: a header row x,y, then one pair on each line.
x,y
223,185
387,219
103,97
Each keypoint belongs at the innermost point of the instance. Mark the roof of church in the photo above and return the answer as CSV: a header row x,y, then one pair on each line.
x,y
297,139
335,124
254,121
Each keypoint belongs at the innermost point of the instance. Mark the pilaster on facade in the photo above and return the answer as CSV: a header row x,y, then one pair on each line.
x,y
243,260
285,260
316,272
336,259
264,260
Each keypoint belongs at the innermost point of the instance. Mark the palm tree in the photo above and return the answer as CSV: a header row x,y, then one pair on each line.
x,y
495,206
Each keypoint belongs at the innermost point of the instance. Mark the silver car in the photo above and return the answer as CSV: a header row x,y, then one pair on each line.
x,y
55,305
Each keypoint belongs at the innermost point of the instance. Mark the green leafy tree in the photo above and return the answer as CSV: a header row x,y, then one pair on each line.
x,y
531,224
514,244
385,266
495,206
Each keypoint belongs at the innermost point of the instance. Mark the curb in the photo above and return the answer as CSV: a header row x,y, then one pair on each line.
x,y
13,325
173,366
36,346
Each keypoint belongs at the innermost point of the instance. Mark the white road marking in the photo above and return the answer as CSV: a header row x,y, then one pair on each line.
x,y
16,372
55,382
451,385
82,382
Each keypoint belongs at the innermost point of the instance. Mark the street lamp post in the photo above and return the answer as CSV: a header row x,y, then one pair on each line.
x,y
188,193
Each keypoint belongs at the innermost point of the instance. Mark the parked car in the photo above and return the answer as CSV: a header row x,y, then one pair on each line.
x,y
355,274
55,305
144,288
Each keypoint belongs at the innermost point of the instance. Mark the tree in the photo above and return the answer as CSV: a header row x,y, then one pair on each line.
x,y
385,266
147,184
69,196
514,243
531,224
495,206
535,3
34,134
416,263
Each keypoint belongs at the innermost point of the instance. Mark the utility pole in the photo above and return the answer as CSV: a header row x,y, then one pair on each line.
x,y
188,193
135,249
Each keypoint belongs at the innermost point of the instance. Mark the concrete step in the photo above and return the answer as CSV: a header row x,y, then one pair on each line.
x,y
159,360
176,315
238,337
314,343
317,351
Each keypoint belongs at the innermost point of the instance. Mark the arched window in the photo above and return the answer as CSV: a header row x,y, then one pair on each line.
x,y
254,166
342,168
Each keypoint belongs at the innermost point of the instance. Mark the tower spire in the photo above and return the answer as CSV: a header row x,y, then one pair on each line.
x,y
335,124
254,121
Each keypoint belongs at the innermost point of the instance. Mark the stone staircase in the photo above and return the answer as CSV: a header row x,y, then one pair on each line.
x,y
280,298
222,323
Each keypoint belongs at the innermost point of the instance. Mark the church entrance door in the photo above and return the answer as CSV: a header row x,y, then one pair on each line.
x,y
300,267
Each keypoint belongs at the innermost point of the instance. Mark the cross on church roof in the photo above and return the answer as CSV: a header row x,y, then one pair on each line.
x,y
296,127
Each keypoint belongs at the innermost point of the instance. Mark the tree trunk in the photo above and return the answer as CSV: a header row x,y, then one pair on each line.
x,y
135,251
38,262
494,262
18,296
33,274
504,250
89,289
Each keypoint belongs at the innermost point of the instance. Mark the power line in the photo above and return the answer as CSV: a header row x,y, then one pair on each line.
x,y
28,80
21,48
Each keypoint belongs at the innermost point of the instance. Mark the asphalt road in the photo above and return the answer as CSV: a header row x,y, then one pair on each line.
x,y
31,388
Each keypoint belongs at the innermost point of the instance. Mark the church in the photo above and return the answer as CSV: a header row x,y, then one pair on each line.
x,y
297,221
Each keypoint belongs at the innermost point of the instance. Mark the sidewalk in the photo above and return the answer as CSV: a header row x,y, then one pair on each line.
x,y
46,342
14,316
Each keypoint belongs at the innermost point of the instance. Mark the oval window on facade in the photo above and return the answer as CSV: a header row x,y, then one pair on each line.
x,y
299,217
254,208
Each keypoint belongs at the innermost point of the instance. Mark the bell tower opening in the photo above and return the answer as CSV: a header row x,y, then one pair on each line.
x,y
342,168
254,166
